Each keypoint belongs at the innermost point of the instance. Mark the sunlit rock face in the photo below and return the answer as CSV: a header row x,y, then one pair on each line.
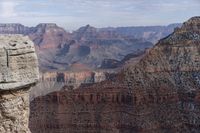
x,y
18,72
89,46
54,81
166,82
159,94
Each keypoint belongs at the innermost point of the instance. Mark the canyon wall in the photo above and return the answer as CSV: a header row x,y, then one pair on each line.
x,y
159,94
59,50
18,72
72,78
55,81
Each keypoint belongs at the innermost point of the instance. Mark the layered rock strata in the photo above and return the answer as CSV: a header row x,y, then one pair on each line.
x,y
54,81
159,94
59,50
18,72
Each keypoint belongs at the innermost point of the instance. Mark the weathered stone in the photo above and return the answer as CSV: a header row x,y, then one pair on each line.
x,y
18,64
18,72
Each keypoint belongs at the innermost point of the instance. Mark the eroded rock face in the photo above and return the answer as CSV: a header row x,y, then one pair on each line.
x,y
159,94
166,82
59,49
54,81
18,72
14,111
19,65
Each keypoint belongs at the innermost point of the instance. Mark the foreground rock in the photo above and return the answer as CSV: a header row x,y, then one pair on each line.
x,y
18,72
159,94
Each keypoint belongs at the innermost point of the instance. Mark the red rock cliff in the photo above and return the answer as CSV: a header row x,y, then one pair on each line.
x,y
160,94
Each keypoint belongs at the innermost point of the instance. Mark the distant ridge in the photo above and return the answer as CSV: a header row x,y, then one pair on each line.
x,y
89,46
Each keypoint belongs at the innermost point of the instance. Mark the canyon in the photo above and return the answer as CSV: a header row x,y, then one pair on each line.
x,y
59,50
80,89
158,93
86,55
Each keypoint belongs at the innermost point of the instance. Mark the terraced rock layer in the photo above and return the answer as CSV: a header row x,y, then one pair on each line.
x,y
159,94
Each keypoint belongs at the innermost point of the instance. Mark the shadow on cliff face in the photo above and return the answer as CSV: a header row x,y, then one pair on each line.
x,y
158,94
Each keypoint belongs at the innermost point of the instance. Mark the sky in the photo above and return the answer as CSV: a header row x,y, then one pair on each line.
x,y
72,14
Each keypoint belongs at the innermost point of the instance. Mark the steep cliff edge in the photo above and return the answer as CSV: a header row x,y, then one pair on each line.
x,y
159,94
18,72
173,56
165,83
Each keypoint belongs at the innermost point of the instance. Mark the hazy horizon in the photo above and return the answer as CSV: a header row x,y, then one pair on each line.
x,y
90,25
72,14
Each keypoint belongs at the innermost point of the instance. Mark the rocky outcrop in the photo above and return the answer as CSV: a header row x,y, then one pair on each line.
x,y
168,78
18,72
159,94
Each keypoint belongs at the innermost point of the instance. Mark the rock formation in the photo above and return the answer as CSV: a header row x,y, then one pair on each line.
x,y
59,50
159,94
148,33
70,77
48,35
54,81
128,59
18,72
14,28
